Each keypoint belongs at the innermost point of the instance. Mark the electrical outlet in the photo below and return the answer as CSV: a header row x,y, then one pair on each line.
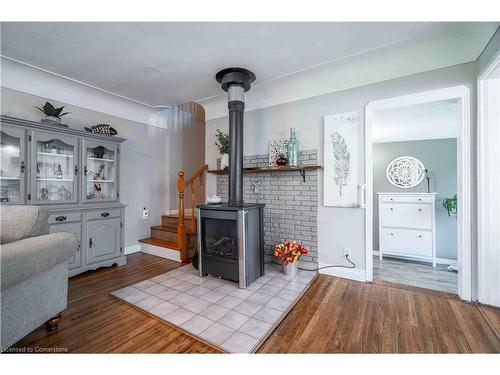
x,y
347,252
145,214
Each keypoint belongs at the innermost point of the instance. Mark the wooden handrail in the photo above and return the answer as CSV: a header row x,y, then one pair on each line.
x,y
181,187
197,174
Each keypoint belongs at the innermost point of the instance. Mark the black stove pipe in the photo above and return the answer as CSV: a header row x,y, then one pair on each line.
x,y
235,81
236,109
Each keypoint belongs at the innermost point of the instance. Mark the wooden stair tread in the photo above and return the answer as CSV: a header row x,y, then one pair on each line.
x,y
176,216
172,229
162,243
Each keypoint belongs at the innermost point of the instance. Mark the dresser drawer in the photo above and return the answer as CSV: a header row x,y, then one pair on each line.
x,y
64,217
406,199
406,215
103,214
406,242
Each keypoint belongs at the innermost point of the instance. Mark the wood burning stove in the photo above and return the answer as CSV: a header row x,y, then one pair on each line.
x,y
231,235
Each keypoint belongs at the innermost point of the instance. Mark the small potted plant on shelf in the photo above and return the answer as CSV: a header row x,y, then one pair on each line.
x,y
289,253
222,143
450,205
52,114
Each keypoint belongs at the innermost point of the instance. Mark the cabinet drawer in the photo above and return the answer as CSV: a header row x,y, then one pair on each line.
x,y
406,215
406,199
107,213
406,242
64,217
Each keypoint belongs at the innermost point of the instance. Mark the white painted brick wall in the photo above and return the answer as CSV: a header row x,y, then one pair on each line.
x,y
291,211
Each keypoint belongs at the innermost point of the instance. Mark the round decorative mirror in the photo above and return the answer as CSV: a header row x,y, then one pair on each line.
x,y
405,172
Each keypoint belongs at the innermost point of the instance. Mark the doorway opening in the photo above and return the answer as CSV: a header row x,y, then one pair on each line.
x,y
418,191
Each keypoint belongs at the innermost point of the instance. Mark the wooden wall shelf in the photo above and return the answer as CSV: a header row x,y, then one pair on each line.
x,y
301,169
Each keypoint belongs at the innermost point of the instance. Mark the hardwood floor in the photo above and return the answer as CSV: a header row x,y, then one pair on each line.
x,y
335,315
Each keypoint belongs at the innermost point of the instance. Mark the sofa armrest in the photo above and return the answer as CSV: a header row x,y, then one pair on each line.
x,y
23,259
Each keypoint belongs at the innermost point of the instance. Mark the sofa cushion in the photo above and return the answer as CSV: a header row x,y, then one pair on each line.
x,y
26,258
18,222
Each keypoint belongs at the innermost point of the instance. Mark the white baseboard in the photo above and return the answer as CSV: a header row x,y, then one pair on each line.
x,y
132,249
160,251
444,261
346,273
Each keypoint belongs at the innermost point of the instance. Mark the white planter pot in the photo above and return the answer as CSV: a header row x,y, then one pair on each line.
x,y
291,269
224,161
52,120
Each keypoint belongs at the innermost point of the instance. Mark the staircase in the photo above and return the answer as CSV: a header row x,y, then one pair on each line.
x,y
175,238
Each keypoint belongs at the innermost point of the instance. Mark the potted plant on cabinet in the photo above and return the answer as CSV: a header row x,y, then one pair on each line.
x,y
450,205
289,253
222,143
52,114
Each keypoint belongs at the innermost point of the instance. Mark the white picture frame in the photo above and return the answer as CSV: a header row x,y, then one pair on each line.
x,y
340,160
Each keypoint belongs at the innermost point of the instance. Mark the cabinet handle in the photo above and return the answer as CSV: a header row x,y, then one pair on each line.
x,y
419,236
105,214
23,167
90,242
85,171
392,234
60,218
76,170
420,209
78,246
420,199
392,209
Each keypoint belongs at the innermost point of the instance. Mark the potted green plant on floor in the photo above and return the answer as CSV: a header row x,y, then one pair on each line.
x,y
222,143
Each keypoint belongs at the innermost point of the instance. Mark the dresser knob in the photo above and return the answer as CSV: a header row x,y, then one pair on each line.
x,y
420,209
392,209
419,236
392,234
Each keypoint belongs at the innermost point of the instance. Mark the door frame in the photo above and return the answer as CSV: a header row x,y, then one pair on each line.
x,y
464,176
485,293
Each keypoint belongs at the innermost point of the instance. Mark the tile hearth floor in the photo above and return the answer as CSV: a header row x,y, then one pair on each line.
x,y
216,310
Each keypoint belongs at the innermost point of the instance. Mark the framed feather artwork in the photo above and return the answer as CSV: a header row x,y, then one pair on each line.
x,y
340,153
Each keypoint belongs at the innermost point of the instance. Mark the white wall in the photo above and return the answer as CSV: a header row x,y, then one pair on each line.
x,y
338,227
143,168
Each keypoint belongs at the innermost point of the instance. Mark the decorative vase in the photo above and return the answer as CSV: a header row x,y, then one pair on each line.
x,y
293,149
224,161
291,269
281,161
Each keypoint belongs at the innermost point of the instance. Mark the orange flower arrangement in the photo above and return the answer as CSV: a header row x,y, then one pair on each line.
x,y
289,252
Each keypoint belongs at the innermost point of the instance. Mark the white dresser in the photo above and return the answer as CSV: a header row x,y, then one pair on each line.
x,y
407,225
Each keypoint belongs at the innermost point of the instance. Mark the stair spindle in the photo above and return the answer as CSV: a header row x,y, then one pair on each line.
x,y
181,230
193,205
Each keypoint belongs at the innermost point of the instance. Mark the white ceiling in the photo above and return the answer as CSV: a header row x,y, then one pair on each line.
x,y
172,63
433,120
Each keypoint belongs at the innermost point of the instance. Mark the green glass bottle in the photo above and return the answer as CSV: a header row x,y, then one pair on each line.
x,y
293,149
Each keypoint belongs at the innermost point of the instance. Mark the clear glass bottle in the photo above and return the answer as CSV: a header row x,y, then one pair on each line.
x,y
293,149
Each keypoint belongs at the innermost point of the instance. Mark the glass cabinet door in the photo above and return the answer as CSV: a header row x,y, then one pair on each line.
x,y
100,171
54,168
13,165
